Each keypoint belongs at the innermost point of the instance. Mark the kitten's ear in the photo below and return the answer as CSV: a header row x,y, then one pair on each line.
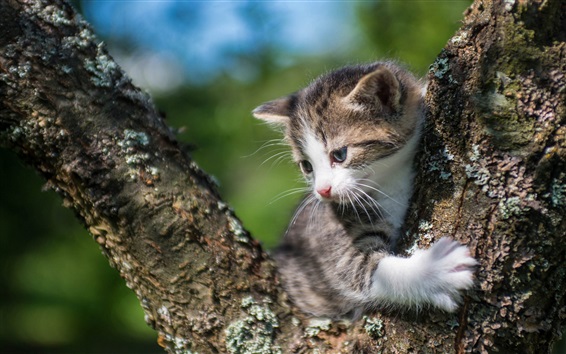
x,y
378,89
276,111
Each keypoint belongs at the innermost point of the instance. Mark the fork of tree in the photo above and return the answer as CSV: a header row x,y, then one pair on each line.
x,y
491,174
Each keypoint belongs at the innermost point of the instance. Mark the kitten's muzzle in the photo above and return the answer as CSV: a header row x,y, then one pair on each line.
x,y
325,192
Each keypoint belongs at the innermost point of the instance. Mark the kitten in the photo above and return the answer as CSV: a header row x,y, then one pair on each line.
x,y
354,133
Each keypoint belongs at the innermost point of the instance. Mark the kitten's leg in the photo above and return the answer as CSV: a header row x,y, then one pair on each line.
x,y
434,276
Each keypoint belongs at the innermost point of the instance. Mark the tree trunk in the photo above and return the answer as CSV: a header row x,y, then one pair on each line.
x,y
491,174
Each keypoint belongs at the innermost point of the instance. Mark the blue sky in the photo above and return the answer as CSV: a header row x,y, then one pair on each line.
x,y
201,38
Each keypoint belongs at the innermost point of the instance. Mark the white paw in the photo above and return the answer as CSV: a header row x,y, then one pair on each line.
x,y
435,276
450,269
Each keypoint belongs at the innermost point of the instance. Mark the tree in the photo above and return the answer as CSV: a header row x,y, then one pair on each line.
x,y
491,174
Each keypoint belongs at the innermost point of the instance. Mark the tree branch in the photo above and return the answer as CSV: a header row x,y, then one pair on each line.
x,y
491,175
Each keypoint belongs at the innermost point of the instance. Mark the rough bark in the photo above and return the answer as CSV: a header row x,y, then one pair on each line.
x,y
491,174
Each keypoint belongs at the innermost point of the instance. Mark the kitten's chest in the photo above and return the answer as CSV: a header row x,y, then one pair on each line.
x,y
321,225
364,220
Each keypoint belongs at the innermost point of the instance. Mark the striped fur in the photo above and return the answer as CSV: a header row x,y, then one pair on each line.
x,y
354,132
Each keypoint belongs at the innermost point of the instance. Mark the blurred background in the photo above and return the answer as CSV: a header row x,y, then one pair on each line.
x,y
207,64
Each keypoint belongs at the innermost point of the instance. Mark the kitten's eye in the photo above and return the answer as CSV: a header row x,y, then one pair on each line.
x,y
339,155
306,167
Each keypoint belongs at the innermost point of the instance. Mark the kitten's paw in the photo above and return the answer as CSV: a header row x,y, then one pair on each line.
x,y
451,270
435,276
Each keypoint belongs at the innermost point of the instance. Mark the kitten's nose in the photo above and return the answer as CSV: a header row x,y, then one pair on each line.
x,y
325,192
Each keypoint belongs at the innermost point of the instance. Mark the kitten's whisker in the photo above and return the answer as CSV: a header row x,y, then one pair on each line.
x,y
286,157
374,204
302,206
367,198
347,194
269,143
314,213
377,204
288,193
360,199
279,154
379,191
370,181
368,166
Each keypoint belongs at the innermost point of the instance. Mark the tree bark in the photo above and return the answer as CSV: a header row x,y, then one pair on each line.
x,y
491,174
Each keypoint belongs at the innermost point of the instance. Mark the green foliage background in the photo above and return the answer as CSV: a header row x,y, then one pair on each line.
x,y
58,294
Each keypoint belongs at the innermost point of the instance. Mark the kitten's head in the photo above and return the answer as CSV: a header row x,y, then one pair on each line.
x,y
348,128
